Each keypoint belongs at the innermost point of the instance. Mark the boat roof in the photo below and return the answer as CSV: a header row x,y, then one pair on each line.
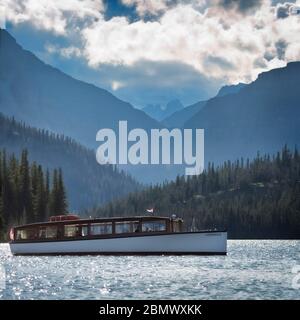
x,y
99,220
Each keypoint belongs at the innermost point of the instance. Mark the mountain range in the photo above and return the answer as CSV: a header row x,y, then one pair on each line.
x,y
160,113
260,116
45,97
239,121
230,89
174,114
178,118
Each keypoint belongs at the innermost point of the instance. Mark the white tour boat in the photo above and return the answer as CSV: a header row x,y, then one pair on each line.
x,y
141,235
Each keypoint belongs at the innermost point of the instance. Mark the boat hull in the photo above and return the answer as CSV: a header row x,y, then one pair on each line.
x,y
196,243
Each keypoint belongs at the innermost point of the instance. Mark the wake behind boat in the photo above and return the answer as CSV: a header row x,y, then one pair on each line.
x,y
137,235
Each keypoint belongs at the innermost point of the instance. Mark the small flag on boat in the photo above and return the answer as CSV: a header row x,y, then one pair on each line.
x,y
150,210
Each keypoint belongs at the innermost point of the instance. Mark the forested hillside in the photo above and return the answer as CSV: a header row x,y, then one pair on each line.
x,y
28,192
87,183
251,199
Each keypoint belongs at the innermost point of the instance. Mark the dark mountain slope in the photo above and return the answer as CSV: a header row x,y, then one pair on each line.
x,y
263,115
178,119
230,89
45,97
87,183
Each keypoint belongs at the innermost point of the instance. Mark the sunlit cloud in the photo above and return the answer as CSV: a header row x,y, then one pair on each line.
x,y
66,52
223,40
144,7
115,85
2,16
52,15
218,42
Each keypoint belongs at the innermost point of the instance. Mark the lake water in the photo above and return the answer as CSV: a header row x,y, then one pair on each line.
x,y
251,270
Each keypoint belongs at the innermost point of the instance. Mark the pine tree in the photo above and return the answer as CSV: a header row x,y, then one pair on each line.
x,y
25,194
39,200
47,194
7,192
58,195
63,205
54,209
25,188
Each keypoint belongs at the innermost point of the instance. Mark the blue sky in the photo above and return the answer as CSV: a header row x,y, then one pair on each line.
x,y
154,51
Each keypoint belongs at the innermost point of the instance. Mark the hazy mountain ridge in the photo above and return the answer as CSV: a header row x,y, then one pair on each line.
x,y
159,113
230,89
45,97
178,118
263,115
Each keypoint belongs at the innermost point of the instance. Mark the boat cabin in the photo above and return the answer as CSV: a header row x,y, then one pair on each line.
x,y
71,227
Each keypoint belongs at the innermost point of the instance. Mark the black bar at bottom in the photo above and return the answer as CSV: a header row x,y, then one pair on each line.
x,y
147,309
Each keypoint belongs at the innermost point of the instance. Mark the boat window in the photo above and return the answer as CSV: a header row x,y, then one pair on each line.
x,y
26,234
72,230
21,234
42,232
176,226
84,230
51,232
149,226
100,228
127,227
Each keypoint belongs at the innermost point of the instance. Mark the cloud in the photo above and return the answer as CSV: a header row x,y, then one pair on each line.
x,y
284,10
52,15
281,46
116,85
144,7
209,37
241,5
219,62
215,42
155,82
2,16
157,7
66,52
